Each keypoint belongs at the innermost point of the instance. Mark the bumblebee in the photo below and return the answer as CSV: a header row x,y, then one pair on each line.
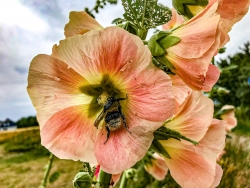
x,y
111,113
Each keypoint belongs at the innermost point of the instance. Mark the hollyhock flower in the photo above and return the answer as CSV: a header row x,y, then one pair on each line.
x,y
199,40
80,23
175,21
69,87
228,115
157,168
194,165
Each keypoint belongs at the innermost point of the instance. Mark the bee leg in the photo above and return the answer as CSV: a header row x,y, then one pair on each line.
x,y
108,133
123,119
124,123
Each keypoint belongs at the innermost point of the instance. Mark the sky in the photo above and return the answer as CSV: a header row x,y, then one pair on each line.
x,y
32,27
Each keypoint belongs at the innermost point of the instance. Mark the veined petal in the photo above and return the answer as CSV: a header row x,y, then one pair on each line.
x,y
124,149
187,166
194,116
151,96
53,87
212,76
231,11
158,169
195,166
181,91
70,134
175,21
112,50
80,23
198,40
229,117
218,176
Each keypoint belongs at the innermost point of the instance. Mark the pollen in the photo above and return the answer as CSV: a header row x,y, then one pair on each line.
x,y
103,98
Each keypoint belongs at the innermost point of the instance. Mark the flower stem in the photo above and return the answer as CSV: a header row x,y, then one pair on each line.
x,y
104,179
123,180
47,171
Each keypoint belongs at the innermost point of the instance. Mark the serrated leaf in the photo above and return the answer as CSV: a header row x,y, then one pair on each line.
x,y
146,14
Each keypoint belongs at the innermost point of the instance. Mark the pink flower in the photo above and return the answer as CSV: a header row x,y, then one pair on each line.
x,y
69,87
175,21
195,165
201,37
228,115
158,168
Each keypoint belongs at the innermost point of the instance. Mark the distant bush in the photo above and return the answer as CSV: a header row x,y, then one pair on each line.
x,y
27,122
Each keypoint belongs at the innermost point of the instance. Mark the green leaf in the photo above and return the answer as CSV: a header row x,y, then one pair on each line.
x,y
157,147
169,133
146,14
53,177
169,41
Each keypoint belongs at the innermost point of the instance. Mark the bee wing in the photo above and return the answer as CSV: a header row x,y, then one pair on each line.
x,y
99,118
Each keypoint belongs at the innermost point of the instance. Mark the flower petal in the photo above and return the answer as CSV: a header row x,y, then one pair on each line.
x,y
113,51
151,96
124,149
53,87
195,166
175,21
218,176
180,89
158,169
198,40
80,23
212,76
194,116
69,134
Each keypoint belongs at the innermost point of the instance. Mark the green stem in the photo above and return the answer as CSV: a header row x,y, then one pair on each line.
x,y
104,179
47,171
123,180
142,34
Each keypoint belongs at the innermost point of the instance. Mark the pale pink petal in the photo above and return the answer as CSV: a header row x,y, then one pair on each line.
x,y
175,21
70,134
53,87
111,51
194,116
150,96
212,76
219,155
180,89
232,11
187,166
198,40
229,117
158,169
124,149
80,23
195,166
218,176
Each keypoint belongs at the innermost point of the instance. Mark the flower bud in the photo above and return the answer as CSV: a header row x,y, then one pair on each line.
x,y
82,180
189,8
